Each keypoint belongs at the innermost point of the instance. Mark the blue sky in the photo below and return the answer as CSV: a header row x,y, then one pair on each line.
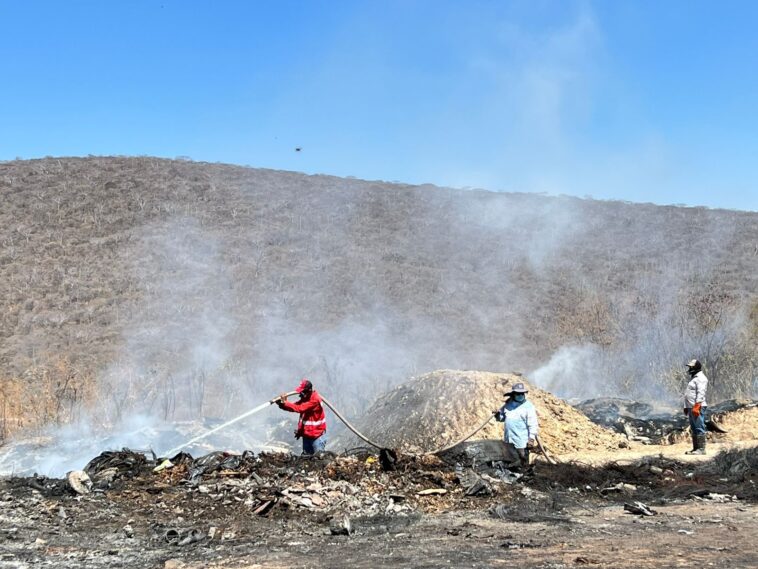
x,y
641,101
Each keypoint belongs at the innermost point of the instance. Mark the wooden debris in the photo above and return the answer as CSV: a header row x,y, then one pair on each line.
x,y
431,492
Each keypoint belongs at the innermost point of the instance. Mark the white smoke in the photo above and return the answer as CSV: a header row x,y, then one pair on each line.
x,y
572,372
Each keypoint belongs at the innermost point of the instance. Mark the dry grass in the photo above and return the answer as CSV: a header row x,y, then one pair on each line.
x,y
44,395
103,259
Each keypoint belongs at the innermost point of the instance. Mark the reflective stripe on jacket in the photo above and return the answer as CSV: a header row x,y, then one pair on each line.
x,y
695,391
312,423
521,423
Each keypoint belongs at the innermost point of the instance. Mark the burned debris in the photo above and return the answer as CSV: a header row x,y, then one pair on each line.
x,y
191,505
110,465
187,508
644,423
639,422
269,483
639,509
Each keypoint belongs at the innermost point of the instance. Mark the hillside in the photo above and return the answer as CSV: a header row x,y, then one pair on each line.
x,y
182,288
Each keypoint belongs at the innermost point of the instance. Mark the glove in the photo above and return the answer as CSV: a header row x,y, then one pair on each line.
x,y
280,400
686,412
531,444
696,410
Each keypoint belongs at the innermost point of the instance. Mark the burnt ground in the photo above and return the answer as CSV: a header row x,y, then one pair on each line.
x,y
282,511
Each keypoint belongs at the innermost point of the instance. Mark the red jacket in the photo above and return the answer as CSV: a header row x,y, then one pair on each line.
x,y
312,423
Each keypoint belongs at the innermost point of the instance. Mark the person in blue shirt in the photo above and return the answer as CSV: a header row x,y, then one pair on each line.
x,y
521,424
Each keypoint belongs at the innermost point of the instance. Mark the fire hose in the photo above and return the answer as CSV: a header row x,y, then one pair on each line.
x,y
350,426
454,444
260,407
380,447
347,423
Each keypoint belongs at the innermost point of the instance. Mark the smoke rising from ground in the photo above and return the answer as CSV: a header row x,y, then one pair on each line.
x,y
244,281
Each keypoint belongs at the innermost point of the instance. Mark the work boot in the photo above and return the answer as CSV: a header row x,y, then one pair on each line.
x,y
694,445
699,445
523,460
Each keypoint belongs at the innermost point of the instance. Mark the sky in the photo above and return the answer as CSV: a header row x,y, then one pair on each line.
x,y
640,101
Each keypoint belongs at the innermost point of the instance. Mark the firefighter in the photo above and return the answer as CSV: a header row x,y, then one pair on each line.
x,y
695,405
311,427
521,424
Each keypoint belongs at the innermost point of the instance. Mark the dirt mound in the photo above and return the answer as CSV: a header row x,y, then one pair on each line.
x,y
738,417
436,409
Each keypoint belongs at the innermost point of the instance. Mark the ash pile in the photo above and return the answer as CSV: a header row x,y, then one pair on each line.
x,y
135,510
434,410
145,508
280,484
638,421
733,420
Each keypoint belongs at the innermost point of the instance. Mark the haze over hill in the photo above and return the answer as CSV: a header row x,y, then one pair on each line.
x,y
182,289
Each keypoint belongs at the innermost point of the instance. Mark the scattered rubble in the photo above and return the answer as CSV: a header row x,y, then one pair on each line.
x,y
713,496
184,537
641,422
341,526
79,482
621,488
640,509
198,509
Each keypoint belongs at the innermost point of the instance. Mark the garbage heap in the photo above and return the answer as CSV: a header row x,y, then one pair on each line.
x,y
227,489
279,484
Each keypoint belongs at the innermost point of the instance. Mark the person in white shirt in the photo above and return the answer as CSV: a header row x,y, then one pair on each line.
x,y
521,424
695,405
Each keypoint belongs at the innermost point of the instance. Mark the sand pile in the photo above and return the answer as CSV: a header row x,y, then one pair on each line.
x,y
436,409
738,417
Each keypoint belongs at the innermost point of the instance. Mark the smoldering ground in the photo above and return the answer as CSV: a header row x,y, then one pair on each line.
x,y
359,285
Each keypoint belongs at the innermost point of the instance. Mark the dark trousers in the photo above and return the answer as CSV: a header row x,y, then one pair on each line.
x,y
312,446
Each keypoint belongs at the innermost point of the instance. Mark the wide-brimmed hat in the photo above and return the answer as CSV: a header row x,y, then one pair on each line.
x,y
517,388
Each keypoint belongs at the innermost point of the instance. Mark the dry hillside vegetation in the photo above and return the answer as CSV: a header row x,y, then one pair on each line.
x,y
183,289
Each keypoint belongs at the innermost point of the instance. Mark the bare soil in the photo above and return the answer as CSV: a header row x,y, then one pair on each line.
x,y
565,516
